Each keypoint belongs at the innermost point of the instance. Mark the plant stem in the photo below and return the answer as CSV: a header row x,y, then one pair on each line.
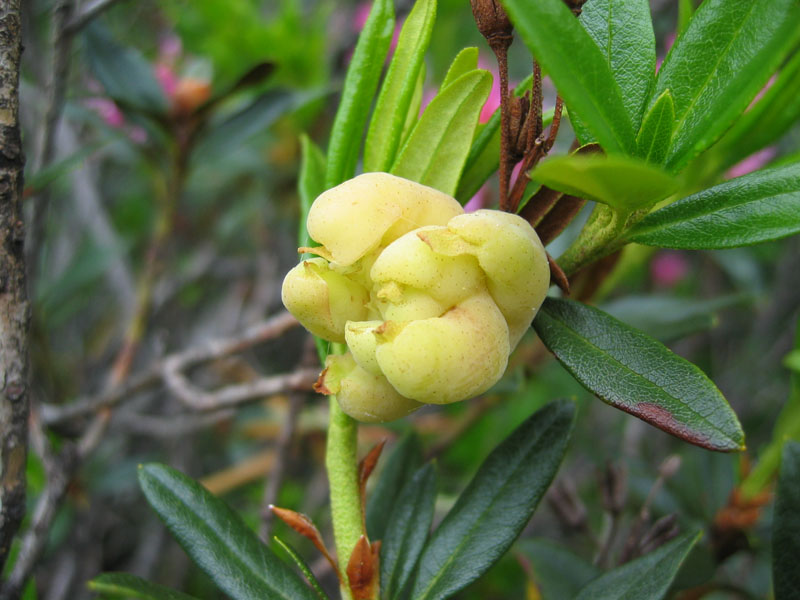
x,y
596,239
342,466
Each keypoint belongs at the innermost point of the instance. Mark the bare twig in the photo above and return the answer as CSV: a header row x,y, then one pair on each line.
x,y
14,307
211,350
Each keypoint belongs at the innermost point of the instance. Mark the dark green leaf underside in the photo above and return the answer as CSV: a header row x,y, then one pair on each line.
x,y
786,526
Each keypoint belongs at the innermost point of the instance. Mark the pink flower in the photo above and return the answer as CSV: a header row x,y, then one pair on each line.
x,y
167,78
493,101
751,163
108,111
668,268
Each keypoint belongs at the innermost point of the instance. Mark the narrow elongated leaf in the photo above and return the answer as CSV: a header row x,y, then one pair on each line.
x,y
412,116
464,62
310,183
623,30
225,137
653,141
359,88
386,126
669,317
125,585
303,566
728,51
633,372
578,68
407,531
437,148
647,577
403,462
558,573
489,515
786,526
768,120
217,539
123,72
625,183
761,206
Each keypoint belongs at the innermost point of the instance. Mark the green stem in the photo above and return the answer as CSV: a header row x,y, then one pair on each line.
x,y
598,238
342,465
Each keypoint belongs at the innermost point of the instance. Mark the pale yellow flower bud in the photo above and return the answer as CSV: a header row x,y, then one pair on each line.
x,y
323,300
430,301
362,395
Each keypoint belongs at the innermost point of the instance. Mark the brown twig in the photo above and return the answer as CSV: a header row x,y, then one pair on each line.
x,y
557,219
14,306
153,375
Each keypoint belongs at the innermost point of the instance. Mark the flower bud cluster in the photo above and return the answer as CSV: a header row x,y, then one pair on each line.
x,y
429,300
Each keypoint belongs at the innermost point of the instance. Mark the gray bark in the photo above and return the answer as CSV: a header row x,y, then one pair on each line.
x,y
14,307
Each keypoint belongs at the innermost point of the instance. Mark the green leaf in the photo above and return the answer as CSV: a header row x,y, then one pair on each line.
x,y
360,84
490,514
407,531
623,30
412,116
754,208
792,360
230,134
123,72
217,539
303,566
768,120
464,62
578,68
558,573
403,462
437,148
652,143
633,372
310,183
670,318
125,585
624,183
685,12
386,126
786,526
728,51
647,577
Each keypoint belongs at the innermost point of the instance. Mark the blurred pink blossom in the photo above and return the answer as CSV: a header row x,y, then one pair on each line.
x,y
493,101
479,200
668,42
167,78
752,163
107,110
668,268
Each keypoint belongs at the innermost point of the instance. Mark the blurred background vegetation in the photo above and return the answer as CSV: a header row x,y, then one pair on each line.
x,y
163,213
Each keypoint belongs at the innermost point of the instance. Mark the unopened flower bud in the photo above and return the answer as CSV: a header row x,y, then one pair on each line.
x,y
492,21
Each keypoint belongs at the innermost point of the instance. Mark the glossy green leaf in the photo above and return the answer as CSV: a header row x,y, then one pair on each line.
x,y
727,53
464,62
761,206
622,182
403,462
310,183
623,30
412,116
768,120
303,566
578,68
669,317
653,141
228,135
647,577
125,585
123,72
557,572
407,531
217,539
685,12
359,88
437,148
490,514
386,126
635,373
786,526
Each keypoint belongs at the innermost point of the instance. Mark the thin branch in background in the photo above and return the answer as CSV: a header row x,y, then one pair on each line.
x,y
88,12
153,375
14,306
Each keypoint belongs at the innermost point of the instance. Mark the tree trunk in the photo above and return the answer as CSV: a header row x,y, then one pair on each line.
x,y
14,308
